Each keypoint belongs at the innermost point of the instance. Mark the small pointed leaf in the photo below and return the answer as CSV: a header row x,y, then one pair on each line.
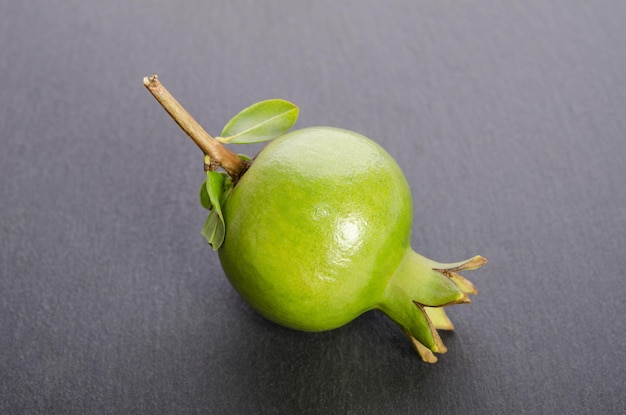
x,y
215,187
205,201
244,157
259,122
214,230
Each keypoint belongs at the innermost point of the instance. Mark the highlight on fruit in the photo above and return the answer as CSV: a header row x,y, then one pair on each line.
x,y
315,230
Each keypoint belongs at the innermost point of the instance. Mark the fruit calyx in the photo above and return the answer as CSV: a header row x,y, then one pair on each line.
x,y
418,291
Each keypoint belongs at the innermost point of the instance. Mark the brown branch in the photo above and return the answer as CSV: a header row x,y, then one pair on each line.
x,y
229,161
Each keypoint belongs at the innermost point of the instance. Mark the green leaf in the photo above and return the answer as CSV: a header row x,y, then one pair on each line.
x,y
259,122
205,201
244,157
214,230
215,187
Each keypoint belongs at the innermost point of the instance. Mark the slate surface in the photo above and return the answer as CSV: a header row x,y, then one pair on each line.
x,y
508,118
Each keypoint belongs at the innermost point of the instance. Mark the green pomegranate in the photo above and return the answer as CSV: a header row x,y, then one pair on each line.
x,y
316,230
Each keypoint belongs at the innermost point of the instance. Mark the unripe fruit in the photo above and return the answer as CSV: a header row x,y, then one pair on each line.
x,y
318,232
316,229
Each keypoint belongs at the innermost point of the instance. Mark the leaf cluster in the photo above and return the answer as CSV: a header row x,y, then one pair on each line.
x,y
263,121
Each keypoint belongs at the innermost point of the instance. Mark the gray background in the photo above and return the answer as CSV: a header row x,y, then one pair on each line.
x,y
508,118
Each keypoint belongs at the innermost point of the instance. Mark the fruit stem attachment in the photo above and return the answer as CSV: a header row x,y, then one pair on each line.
x,y
228,160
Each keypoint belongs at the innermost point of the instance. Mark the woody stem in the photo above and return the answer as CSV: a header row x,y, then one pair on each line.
x,y
229,161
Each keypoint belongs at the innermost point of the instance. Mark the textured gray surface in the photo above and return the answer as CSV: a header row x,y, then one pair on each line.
x,y
508,118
